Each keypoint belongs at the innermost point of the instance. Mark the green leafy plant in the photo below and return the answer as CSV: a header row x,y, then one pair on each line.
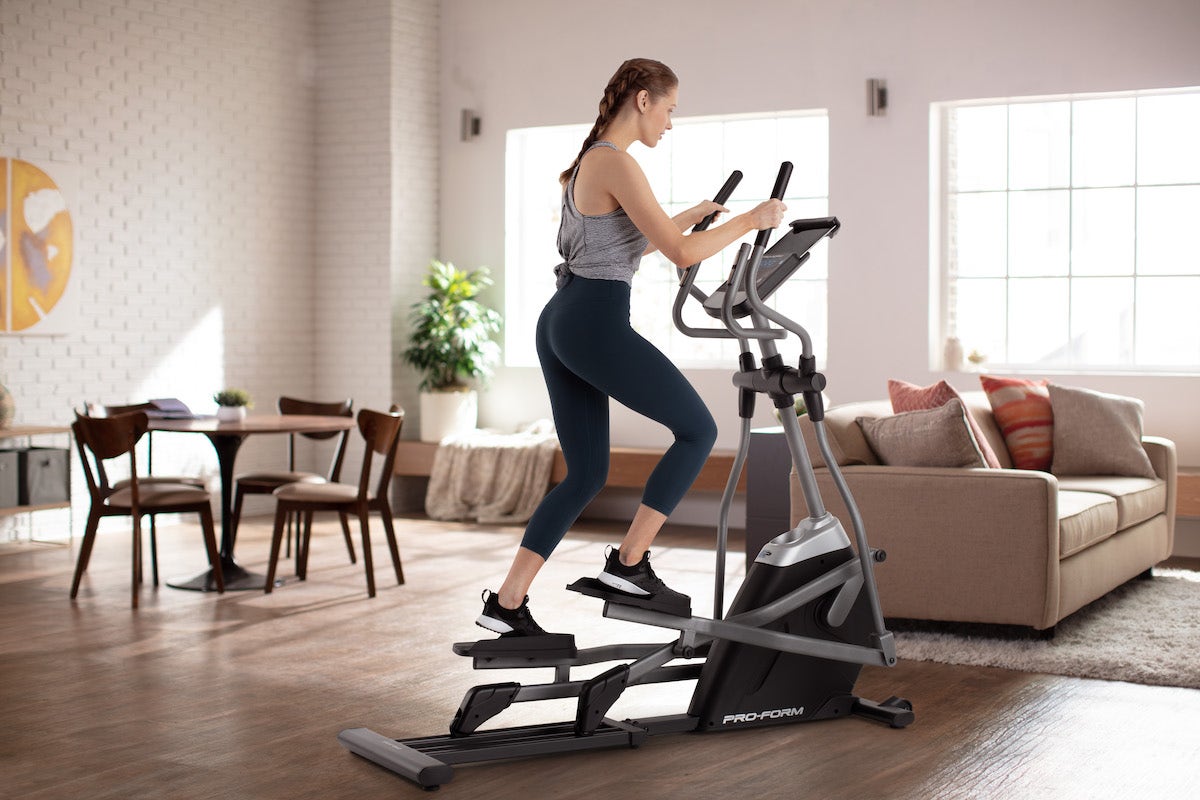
x,y
452,331
233,397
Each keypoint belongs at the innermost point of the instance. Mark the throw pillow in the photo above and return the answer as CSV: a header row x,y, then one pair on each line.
x,y
935,437
910,397
1097,434
1024,415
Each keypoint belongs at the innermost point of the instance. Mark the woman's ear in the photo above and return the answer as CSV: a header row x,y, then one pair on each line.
x,y
643,100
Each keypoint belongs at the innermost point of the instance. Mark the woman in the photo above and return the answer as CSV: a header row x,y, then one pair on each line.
x,y
589,353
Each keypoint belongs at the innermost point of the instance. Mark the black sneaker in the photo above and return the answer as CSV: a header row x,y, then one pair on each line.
x,y
639,580
498,619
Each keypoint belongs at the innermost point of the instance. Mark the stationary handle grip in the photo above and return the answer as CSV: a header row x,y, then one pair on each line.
x,y
781,183
723,194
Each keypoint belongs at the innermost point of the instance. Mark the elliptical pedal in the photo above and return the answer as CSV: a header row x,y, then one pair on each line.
x,y
552,646
594,588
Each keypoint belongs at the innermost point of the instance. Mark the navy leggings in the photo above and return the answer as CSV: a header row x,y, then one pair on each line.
x,y
589,353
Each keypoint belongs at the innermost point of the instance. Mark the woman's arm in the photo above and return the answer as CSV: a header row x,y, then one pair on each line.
x,y
618,174
690,218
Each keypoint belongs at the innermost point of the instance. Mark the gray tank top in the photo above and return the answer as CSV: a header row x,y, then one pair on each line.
x,y
607,246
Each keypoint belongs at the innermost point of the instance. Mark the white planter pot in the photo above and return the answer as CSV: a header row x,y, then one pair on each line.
x,y
231,413
446,413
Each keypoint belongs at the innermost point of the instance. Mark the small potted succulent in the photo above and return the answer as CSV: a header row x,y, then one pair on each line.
x,y
232,404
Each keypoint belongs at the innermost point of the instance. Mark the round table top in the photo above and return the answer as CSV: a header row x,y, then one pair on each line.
x,y
256,423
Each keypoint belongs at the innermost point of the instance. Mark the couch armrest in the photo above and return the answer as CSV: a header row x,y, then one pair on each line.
x,y
997,528
1162,457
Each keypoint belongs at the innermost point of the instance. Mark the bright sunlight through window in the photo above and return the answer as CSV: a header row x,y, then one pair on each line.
x,y
1067,231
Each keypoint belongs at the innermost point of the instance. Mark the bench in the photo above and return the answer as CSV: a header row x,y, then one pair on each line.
x,y
629,467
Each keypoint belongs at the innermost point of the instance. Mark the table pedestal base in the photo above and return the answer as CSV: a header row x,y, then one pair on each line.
x,y
237,579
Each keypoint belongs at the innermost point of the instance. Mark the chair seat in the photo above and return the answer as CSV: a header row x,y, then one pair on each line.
x,y
153,480
318,492
158,495
268,480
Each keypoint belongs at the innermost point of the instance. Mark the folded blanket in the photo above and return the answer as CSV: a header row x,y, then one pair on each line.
x,y
491,477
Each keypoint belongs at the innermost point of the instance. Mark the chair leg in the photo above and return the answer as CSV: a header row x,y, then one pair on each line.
x,y
137,557
363,516
210,544
153,551
386,512
287,547
85,551
276,537
303,540
346,535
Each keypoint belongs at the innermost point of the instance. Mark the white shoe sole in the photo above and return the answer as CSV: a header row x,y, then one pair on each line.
x,y
493,625
621,585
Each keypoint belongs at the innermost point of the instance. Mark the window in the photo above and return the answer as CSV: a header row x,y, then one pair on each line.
x,y
1066,231
688,165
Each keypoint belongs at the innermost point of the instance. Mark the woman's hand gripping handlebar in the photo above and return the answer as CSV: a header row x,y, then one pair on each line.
x,y
768,215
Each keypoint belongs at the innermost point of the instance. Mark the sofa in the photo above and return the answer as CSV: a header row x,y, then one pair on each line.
x,y
999,545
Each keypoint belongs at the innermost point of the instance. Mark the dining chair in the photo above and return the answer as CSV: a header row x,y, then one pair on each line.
x,y
381,434
100,410
267,481
101,439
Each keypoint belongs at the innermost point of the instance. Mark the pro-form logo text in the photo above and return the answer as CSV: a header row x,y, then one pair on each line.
x,y
758,716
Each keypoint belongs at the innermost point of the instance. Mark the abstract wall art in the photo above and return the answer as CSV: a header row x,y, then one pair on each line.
x,y
37,249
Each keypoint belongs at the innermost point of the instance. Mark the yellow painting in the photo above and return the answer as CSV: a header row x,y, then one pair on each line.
x,y
36,246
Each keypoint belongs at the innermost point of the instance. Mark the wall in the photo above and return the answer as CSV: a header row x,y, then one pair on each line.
x,y
235,197
794,54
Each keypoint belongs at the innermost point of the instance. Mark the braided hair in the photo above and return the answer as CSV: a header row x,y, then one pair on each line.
x,y
633,76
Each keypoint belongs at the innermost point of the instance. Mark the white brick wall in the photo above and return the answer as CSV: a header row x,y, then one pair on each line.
x,y
233,204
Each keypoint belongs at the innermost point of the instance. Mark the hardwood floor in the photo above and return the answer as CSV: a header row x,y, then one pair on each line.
x,y
201,696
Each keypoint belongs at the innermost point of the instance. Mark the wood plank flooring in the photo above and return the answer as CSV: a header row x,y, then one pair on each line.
x,y
242,696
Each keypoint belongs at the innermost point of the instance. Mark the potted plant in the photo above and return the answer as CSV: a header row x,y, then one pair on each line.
x,y
451,343
232,404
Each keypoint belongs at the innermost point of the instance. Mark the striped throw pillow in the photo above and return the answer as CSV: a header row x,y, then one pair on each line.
x,y
1023,414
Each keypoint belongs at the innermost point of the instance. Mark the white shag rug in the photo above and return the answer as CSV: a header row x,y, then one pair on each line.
x,y
1147,631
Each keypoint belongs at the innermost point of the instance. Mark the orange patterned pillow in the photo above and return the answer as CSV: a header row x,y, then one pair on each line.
x,y
1023,414
910,397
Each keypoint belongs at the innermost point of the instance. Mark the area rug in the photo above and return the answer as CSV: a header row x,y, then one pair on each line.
x,y
1147,631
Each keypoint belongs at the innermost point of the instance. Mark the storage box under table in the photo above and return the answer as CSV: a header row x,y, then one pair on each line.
x,y
10,478
45,476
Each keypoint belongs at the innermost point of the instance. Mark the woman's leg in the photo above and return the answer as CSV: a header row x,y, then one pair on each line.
x,y
525,567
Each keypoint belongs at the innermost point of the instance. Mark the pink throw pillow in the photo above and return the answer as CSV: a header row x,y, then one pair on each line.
x,y
910,397
1023,413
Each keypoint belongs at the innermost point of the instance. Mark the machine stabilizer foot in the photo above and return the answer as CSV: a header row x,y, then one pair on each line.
x,y
397,757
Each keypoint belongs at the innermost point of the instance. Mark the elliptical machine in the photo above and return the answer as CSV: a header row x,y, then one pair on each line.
x,y
805,621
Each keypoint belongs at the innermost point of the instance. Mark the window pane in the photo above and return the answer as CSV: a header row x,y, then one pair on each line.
x,y
1168,132
1102,227
1037,326
1166,230
1102,321
981,310
1038,233
1168,327
804,140
695,167
980,246
1102,142
1039,145
751,145
979,145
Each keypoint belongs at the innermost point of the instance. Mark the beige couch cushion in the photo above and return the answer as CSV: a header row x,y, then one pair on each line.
x,y
935,437
1138,499
1097,434
1084,518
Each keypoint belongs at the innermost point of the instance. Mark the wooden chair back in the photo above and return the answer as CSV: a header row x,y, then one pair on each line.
x,y
341,408
107,438
381,433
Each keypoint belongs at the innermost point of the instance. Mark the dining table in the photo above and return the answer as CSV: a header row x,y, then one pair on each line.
x,y
227,438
